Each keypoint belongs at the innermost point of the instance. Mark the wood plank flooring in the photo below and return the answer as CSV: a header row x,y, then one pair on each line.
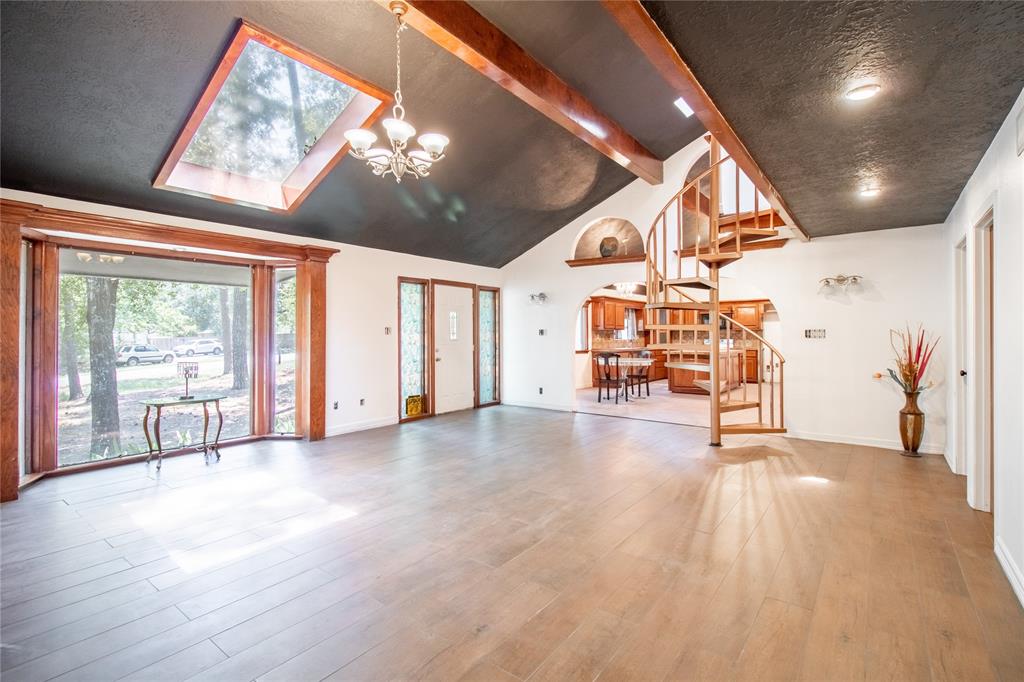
x,y
509,544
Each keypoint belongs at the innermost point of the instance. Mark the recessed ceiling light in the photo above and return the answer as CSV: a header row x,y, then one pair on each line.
x,y
864,91
870,192
683,107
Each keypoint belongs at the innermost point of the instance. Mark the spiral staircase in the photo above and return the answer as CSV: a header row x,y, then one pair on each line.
x,y
698,233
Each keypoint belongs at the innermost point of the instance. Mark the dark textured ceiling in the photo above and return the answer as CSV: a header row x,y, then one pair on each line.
x,y
581,42
94,94
950,71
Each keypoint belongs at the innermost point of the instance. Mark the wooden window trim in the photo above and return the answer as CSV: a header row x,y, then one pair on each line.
x,y
366,107
35,218
21,220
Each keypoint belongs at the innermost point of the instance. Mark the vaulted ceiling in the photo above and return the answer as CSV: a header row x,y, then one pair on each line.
x,y
949,71
93,95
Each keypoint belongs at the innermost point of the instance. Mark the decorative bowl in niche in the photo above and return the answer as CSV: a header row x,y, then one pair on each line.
x,y
609,247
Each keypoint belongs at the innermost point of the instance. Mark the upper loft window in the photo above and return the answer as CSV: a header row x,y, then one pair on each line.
x,y
269,125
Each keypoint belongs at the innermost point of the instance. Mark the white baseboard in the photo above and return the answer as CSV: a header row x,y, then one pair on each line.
x,y
351,427
926,448
539,406
1011,569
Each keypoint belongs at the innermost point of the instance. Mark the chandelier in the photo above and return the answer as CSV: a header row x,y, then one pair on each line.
x,y
396,161
625,287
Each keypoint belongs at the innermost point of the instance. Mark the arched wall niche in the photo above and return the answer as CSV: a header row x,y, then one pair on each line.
x,y
618,236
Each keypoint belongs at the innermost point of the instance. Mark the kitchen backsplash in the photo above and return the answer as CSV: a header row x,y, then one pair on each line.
x,y
602,339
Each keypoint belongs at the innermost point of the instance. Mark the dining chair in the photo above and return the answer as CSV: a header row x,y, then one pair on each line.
x,y
640,374
610,374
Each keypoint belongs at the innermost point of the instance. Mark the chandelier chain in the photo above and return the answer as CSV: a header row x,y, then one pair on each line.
x,y
396,162
398,109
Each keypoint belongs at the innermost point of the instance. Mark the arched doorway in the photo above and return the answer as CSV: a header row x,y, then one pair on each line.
x,y
665,394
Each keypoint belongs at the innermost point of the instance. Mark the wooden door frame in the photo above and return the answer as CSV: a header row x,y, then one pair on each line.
x,y
981,373
961,357
34,223
473,288
429,285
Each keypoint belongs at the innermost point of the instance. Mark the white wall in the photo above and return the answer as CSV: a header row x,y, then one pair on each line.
x,y
362,290
533,361
830,392
998,185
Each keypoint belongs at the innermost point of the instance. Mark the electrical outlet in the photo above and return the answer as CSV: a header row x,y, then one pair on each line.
x,y
540,332
387,331
362,401
541,390
335,404
814,333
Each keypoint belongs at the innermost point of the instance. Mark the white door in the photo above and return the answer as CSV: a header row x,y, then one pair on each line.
x,y
453,348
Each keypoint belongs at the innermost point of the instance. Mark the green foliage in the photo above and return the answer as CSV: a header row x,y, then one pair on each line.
x,y
268,111
284,306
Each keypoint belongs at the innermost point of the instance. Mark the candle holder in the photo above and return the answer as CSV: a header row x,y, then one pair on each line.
x,y
188,370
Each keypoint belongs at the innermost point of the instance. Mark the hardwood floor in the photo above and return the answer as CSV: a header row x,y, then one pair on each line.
x,y
506,544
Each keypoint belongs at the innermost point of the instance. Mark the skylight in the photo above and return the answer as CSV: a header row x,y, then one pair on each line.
x,y
269,125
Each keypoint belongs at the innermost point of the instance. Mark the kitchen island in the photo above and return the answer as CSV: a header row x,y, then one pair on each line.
x,y
692,381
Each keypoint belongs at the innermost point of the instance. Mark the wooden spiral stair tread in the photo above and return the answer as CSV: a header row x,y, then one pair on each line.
x,y
737,405
752,427
715,241
691,283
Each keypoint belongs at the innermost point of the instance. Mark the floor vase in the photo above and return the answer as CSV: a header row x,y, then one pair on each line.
x,y
911,426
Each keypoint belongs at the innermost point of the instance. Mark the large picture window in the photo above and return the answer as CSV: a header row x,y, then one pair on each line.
x,y
125,322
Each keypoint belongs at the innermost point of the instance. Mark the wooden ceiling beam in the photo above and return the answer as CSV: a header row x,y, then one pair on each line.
x,y
640,27
467,34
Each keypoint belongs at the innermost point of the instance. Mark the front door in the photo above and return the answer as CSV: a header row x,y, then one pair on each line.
x,y
453,348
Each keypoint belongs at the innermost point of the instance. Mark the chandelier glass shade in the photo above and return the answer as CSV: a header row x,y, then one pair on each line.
x,y
396,160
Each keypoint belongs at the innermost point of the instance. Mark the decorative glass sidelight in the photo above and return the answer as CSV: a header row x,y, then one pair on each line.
x,y
488,339
412,348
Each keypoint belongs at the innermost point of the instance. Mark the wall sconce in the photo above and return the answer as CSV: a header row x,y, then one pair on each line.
x,y
539,299
841,280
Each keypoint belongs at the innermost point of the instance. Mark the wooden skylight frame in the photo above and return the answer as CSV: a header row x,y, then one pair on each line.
x,y
179,175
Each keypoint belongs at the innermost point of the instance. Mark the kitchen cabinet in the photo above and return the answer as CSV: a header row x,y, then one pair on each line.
x,y
753,366
685,380
608,314
658,371
748,314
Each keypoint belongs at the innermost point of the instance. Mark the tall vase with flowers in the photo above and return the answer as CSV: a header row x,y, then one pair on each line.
x,y
912,355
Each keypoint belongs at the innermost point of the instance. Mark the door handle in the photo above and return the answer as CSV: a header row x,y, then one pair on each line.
x,y
963,372
437,359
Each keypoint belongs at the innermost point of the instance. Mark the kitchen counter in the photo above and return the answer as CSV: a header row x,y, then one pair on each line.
x,y
730,367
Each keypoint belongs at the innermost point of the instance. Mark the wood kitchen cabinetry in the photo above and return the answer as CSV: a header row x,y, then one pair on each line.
x,y
753,366
609,314
749,315
686,380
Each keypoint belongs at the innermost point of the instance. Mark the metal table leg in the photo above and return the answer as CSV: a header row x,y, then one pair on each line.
x,y
145,429
206,425
159,446
220,425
